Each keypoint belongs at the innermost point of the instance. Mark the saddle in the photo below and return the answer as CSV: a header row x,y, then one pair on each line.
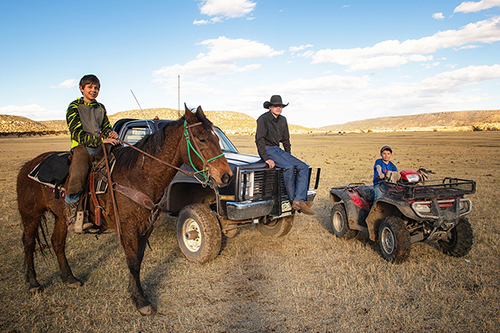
x,y
52,172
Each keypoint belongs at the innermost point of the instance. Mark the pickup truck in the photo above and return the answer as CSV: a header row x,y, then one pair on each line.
x,y
256,195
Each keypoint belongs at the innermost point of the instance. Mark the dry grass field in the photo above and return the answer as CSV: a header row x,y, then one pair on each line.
x,y
307,281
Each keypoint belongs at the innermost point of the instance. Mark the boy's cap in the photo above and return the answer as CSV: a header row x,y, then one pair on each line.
x,y
385,148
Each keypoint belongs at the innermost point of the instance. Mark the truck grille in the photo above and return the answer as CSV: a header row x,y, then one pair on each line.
x,y
265,185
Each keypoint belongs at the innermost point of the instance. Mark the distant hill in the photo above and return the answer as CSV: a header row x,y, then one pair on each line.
x,y
230,122
453,120
239,123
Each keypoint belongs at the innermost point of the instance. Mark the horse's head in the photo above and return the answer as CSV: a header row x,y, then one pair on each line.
x,y
202,150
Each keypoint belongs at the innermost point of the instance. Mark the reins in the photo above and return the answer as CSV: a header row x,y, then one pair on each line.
x,y
142,198
187,133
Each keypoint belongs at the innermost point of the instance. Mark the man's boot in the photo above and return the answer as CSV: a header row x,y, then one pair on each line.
x,y
302,207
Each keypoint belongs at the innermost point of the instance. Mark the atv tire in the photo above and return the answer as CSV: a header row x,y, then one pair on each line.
x,y
340,224
461,239
394,240
199,233
276,228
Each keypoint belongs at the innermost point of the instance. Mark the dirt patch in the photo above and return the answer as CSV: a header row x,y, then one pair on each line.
x,y
307,281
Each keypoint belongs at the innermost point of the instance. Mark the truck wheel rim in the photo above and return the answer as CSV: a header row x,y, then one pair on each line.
x,y
387,240
191,226
338,221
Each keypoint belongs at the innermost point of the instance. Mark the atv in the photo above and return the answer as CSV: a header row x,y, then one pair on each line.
x,y
411,209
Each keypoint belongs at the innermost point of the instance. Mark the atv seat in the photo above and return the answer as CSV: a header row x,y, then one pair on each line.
x,y
366,192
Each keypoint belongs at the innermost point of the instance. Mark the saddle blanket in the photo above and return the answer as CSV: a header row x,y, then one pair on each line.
x,y
53,170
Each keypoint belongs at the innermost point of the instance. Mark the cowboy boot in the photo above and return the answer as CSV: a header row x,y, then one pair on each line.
x,y
70,213
302,207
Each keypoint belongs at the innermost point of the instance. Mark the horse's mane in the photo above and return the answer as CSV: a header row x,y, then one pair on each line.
x,y
126,157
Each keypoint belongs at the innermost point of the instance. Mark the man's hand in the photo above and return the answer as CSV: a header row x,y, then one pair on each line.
x,y
270,163
113,135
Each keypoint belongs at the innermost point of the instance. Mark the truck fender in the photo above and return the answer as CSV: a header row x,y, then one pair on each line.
x,y
185,190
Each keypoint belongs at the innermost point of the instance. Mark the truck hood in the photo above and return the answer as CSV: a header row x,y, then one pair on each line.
x,y
242,160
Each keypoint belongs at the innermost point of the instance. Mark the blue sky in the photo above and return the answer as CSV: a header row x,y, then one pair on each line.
x,y
333,61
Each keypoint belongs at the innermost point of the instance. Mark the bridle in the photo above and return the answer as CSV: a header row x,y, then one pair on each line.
x,y
143,199
205,171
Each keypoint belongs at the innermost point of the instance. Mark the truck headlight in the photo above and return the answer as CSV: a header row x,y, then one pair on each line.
x,y
247,184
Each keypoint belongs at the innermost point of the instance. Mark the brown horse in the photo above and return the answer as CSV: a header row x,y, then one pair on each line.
x,y
133,170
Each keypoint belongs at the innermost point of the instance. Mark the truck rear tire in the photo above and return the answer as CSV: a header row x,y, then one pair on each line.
x,y
394,240
198,233
340,224
276,228
461,239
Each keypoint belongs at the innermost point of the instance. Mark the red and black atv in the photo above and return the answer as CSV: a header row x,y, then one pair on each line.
x,y
410,210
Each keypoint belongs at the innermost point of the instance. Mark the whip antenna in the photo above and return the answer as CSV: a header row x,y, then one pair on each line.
x,y
144,115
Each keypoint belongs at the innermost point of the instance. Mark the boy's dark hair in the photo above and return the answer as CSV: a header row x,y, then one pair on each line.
x,y
89,79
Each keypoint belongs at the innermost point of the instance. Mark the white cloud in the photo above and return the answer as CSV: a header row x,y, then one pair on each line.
x,y
221,59
32,111
325,84
200,22
466,47
68,83
294,49
392,53
472,7
438,16
227,8
307,54
453,80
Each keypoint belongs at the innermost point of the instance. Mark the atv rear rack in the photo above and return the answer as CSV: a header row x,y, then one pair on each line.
x,y
441,188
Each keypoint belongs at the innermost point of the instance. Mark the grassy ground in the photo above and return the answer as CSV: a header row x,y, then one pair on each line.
x,y
307,281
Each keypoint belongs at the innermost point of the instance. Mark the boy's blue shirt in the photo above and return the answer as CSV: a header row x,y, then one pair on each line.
x,y
385,167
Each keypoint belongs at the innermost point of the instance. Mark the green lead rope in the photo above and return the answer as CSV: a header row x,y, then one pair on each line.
x,y
190,147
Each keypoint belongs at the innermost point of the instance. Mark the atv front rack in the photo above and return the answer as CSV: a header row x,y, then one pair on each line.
x,y
441,188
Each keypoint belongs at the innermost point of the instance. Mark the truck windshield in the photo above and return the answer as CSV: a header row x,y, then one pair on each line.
x,y
225,144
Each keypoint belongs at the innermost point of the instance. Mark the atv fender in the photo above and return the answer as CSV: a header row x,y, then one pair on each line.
x,y
355,214
387,206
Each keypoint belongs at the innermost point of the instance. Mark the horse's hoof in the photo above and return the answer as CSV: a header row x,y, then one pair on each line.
x,y
74,283
35,289
147,310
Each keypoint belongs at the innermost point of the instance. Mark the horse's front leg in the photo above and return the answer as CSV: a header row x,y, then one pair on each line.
x,y
59,245
134,246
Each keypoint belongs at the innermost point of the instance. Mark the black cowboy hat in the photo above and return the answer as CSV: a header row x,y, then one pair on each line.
x,y
275,100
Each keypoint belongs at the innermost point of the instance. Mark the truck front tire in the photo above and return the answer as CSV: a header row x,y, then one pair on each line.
x,y
199,233
276,228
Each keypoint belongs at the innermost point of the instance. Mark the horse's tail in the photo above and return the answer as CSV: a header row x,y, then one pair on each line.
x,y
43,229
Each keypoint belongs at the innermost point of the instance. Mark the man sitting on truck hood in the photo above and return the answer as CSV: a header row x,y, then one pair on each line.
x,y
272,128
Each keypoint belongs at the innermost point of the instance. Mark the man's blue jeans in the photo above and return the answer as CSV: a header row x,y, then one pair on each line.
x,y
288,163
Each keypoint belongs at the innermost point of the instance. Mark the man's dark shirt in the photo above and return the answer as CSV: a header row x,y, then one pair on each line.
x,y
270,132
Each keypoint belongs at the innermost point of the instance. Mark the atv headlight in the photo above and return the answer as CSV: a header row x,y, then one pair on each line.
x,y
413,178
422,208
247,184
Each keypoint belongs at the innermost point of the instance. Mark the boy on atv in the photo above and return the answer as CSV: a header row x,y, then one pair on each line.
x,y
382,165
